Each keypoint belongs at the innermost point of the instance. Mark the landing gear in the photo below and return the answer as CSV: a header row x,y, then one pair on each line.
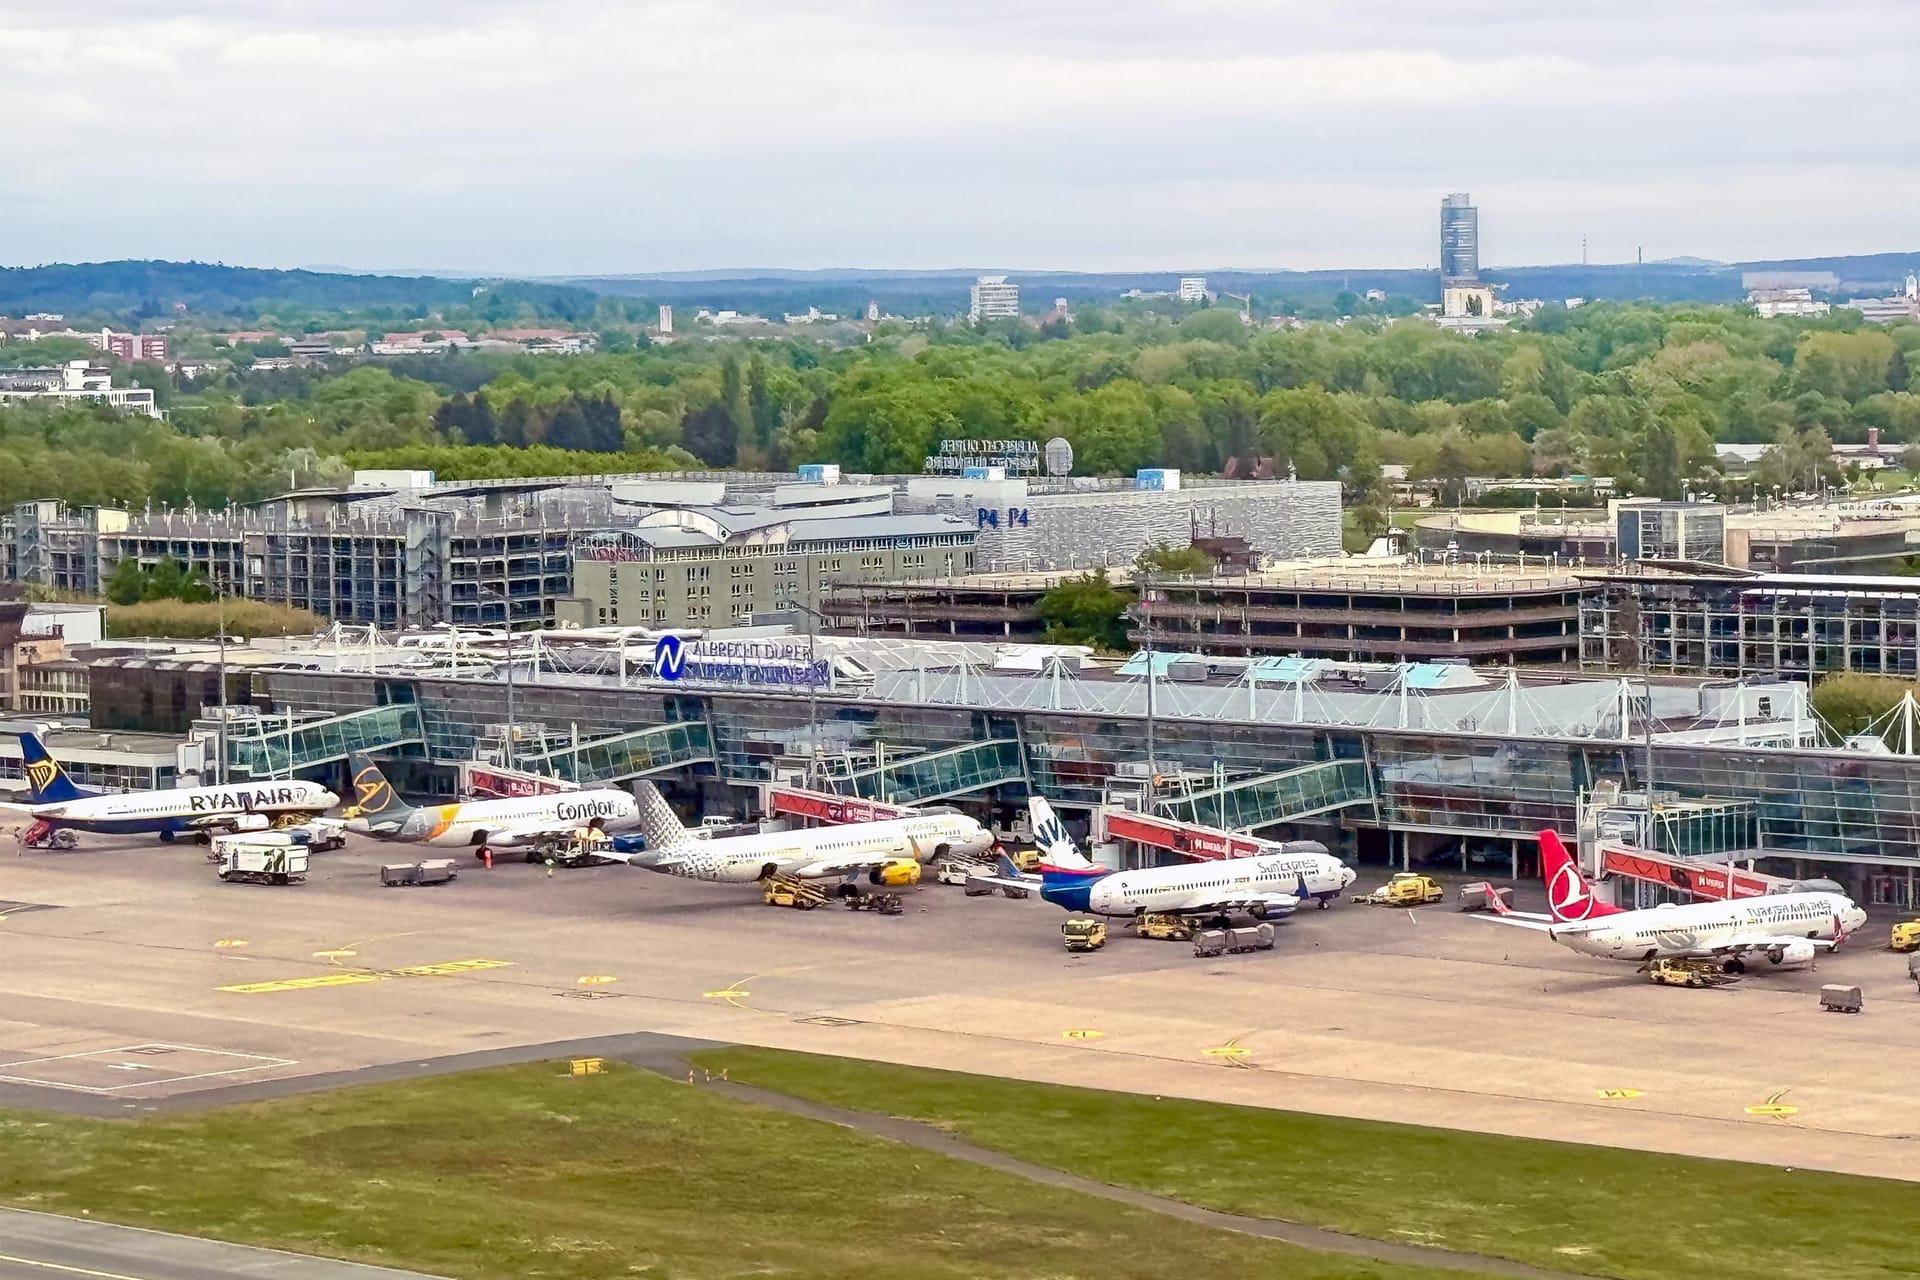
x,y
166,837
1733,964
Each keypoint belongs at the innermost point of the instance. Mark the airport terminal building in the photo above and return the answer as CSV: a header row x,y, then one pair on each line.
x,y
1424,763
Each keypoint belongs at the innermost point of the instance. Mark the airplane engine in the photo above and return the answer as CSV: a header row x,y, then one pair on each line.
x,y
1794,953
895,875
251,822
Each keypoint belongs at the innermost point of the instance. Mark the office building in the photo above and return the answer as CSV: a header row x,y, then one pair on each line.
x,y
1459,240
994,299
77,380
135,346
695,567
1193,289
1786,301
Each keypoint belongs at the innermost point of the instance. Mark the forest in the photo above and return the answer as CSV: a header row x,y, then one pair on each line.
x,y
1634,391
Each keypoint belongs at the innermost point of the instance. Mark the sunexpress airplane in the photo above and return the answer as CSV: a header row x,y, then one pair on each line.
x,y
166,813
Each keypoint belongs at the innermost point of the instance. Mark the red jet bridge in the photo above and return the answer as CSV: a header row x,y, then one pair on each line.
x,y
824,806
1715,880
1187,839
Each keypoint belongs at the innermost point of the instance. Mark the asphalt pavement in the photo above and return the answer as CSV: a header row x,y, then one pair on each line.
x,y
43,1246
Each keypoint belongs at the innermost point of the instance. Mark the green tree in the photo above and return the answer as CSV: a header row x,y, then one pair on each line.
x,y
1850,700
1165,558
128,583
1087,609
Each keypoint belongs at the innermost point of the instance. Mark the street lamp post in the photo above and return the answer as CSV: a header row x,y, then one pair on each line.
x,y
507,610
813,690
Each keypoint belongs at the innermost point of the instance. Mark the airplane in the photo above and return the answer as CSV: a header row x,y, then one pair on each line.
x,y
1269,888
167,812
887,853
512,823
1786,928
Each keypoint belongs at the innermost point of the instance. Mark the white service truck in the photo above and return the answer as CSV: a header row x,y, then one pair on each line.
x,y
261,862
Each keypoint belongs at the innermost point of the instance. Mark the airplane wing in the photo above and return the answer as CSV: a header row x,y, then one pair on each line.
x,y
1535,923
1271,904
535,832
1766,942
828,868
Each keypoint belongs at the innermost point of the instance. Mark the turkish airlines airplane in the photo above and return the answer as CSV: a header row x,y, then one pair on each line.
x,y
1786,928
499,824
883,853
1269,888
167,812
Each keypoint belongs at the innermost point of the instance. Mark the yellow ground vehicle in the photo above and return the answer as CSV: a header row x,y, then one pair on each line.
x,y
1405,889
1025,859
786,891
1163,928
1687,973
1906,936
1084,935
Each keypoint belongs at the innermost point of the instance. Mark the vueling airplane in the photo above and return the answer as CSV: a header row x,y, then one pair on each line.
x,y
1786,928
167,812
1268,887
500,824
883,853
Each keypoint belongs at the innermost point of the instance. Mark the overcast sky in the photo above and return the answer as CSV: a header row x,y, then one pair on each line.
x,y
628,135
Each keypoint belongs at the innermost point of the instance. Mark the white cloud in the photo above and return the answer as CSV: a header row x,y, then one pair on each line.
x,y
574,136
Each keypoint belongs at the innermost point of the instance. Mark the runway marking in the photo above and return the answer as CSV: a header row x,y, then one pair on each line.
x,y
257,1062
359,977
1233,1053
1775,1108
732,995
230,942
1617,1095
1083,1033
594,980
339,953
64,1269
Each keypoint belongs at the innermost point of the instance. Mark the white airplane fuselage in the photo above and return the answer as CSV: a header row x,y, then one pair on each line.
x,y
1155,890
180,809
819,851
1703,929
500,823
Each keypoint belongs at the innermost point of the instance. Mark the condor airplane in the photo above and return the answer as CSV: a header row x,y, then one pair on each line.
x,y
1786,928
500,824
1270,888
167,812
884,853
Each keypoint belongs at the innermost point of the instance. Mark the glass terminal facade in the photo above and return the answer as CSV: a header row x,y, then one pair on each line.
x,y
1374,791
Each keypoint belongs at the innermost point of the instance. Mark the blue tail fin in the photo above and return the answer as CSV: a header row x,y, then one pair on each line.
x,y
47,782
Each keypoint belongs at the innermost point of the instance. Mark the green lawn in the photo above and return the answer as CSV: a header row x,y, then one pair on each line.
x,y
1572,1208
523,1172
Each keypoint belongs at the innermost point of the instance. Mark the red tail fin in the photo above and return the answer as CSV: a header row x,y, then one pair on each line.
x,y
1569,896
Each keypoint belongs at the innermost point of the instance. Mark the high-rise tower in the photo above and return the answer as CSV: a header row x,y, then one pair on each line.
x,y
1459,240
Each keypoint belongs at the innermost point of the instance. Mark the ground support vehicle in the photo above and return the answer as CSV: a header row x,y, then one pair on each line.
x,y
426,871
44,835
1839,999
1083,934
959,870
1905,936
1165,928
789,891
1405,889
1688,973
1479,895
887,904
255,863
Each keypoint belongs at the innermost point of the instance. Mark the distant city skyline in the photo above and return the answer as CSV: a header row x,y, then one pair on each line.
x,y
1099,135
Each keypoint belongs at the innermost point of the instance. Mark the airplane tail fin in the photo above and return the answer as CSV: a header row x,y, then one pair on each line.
x,y
1569,896
659,825
47,782
373,794
1050,837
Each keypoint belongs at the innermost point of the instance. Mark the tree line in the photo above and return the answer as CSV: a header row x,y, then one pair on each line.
x,y
1638,393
